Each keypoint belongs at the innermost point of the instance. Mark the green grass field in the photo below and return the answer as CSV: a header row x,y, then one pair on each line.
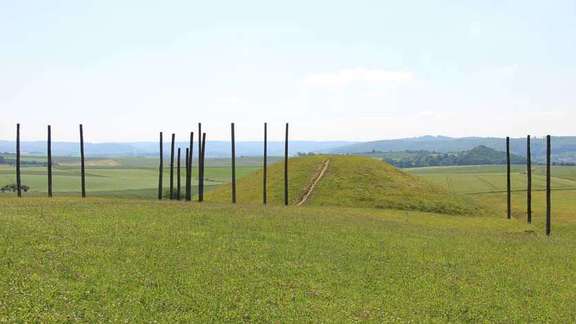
x,y
109,259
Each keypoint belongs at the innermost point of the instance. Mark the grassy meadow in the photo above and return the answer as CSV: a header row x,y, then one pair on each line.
x,y
105,259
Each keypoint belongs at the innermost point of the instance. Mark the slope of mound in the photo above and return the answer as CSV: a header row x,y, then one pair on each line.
x,y
348,181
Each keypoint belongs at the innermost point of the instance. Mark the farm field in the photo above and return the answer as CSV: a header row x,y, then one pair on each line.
x,y
487,184
118,177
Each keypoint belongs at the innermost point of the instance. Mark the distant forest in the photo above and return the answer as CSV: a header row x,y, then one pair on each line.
x,y
480,155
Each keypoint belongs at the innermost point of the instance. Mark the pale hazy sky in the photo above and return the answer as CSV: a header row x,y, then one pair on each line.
x,y
342,70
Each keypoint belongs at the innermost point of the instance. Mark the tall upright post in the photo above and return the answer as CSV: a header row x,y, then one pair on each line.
x,y
508,185
190,157
161,168
199,159
286,167
265,170
82,165
178,176
18,176
529,180
233,164
548,186
203,158
187,190
49,160
172,166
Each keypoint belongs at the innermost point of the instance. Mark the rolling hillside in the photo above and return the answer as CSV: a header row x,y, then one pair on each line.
x,y
349,182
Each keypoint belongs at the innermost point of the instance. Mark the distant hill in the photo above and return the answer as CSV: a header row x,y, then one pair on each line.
x,y
349,181
477,156
213,148
563,147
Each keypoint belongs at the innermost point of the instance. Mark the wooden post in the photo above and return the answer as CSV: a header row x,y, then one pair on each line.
x,y
187,190
508,186
178,176
82,165
203,158
172,167
265,170
286,167
233,164
199,159
18,176
49,161
529,180
161,168
548,186
190,157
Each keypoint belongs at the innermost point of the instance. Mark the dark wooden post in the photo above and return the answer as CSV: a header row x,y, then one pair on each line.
x,y
203,158
187,190
508,186
190,157
529,180
286,167
18,176
233,164
82,165
265,170
199,159
49,161
548,186
178,175
161,168
172,166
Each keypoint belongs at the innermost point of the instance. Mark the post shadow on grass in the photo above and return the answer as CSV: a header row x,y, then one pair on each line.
x,y
82,165
18,176
49,160
172,166
508,185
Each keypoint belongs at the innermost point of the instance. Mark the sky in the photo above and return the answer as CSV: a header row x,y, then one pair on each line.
x,y
335,70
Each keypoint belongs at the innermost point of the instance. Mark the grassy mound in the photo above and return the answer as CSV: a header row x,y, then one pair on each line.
x,y
350,182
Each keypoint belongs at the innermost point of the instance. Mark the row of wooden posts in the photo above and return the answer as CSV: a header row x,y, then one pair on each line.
x,y
49,162
529,182
175,191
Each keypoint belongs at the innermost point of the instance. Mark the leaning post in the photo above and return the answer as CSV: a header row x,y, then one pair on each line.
x,y
190,157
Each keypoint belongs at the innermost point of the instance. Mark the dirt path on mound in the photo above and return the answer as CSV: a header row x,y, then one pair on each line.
x,y
317,179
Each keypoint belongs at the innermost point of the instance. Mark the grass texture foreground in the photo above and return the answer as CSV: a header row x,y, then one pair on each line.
x,y
69,259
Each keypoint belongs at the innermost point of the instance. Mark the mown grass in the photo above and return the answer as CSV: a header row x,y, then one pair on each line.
x,y
96,260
